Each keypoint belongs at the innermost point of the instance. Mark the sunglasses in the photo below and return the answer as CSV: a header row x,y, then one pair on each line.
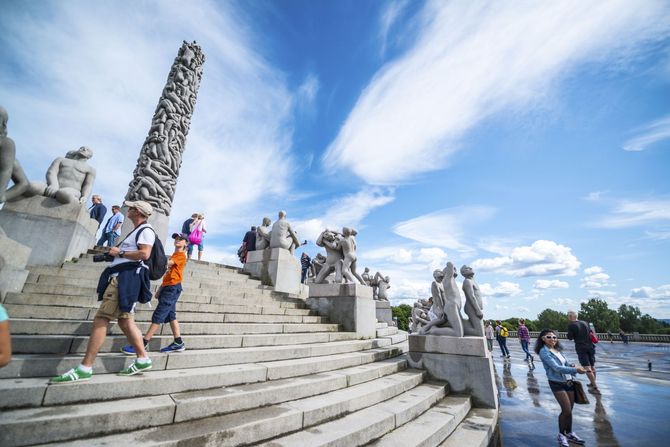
x,y
550,337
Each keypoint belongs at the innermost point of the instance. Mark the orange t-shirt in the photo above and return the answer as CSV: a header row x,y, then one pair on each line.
x,y
174,274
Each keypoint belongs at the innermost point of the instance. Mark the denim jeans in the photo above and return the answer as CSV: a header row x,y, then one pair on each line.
x,y
524,346
110,238
502,341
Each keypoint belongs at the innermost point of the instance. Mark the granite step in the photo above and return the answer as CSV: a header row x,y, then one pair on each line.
x,y
71,344
197,387
430,428
381,325
48,365
387,331
476,430
68,279
259,424
59,289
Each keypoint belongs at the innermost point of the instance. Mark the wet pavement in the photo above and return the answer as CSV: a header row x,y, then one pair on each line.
x,y
633,410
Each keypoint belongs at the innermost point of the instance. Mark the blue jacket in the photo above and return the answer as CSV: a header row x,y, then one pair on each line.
x,y
554,368
134,284
98,212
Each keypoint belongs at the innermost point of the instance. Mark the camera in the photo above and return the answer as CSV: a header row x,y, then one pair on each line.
x,y
105,257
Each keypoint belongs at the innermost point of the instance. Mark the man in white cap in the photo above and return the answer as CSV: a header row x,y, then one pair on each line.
x,y
120,287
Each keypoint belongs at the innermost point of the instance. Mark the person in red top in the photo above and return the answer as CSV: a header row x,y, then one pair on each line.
x,y
168,294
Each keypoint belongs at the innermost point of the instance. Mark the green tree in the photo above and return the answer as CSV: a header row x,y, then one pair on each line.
x,y
402,313
552,319
629,317
597,312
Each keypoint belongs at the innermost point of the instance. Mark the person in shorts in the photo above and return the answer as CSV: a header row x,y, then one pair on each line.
x,y
586,353
168,294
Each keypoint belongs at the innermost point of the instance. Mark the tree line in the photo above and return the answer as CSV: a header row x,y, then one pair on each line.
x,y
595,310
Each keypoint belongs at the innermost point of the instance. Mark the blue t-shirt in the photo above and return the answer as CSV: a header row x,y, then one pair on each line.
x,y
112,222
3,314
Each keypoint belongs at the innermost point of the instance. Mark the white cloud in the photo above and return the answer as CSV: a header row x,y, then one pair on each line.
x,y
630,213
541,258
594,196
465,66
662,292
649,134
92,73
445,228
503,288
348,211
543,284
308,90
388,18
595,278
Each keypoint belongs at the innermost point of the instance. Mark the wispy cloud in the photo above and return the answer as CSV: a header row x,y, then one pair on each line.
x,y
445,228
649,134
543,284
388,18
473,59
501,289
594,196
541,258
630,213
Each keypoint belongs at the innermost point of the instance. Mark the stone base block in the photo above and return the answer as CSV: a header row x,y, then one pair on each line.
x,y
53,231
350,305
275,267
463,362
384,313
13,260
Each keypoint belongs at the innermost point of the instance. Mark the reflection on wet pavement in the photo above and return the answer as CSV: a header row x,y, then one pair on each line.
x,y
633,409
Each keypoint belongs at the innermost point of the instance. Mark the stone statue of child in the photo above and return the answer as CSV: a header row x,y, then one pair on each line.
x,y
69,179
383,284
348,245
366,276
418,317
449,323
328,240
10,169
263,234
282,235
317,264
473,304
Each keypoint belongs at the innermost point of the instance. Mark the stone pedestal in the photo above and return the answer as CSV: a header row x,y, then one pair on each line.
x,y
55,232
384,313
275,267
464,362
13,260
350,305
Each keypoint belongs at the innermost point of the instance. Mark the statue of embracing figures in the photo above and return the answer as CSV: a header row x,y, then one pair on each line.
x,y
446,304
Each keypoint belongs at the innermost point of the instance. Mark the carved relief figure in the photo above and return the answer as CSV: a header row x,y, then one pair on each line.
x,y
10,169
450,322
263,234
328,240
473,304
282,235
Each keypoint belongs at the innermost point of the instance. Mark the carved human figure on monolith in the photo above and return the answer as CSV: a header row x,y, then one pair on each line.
x,y
10,169
383,283
263,234
328,240
348,245
282,235
69,179
474,325
449,323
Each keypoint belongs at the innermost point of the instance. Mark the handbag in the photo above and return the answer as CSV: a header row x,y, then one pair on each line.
x,y
594,337
580,394
195,237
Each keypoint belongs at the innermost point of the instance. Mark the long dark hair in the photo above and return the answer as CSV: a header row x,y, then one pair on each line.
x,y
539,343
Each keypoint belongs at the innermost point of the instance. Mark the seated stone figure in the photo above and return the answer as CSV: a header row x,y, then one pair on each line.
x,y
263,234
282,235
10,169
447,309
69,179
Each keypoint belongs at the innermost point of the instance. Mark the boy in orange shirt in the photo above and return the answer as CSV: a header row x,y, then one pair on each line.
x,y
168,294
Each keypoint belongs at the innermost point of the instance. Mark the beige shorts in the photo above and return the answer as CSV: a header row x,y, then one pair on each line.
x,y
109,308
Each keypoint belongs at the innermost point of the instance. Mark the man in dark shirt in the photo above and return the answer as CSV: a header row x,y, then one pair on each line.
x,y
250,239
98,210
305,263
586,352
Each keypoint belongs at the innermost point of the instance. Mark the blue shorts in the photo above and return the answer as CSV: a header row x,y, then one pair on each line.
x,y
166,310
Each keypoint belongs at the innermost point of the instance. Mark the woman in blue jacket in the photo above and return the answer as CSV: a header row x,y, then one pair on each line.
x,y
559,372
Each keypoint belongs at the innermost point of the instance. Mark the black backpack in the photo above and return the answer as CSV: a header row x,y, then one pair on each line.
x,y
157,261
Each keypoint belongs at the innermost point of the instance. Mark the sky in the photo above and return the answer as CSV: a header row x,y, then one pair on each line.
x,y
530,140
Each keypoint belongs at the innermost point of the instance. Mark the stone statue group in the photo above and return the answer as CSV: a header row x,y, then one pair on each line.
x,y
281,235
441,313
69,179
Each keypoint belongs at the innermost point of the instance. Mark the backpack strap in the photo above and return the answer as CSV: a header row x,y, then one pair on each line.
x,y
143,226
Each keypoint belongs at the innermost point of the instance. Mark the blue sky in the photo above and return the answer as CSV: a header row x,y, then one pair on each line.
x,y
530,140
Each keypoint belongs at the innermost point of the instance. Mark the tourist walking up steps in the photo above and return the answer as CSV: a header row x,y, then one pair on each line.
x,y
586,352
488,331
121,285
5,338
501,335
197,230
112,229
168,294
524,339
559,374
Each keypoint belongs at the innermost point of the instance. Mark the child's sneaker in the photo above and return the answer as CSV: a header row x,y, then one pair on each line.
x,y
135,368
572,437
128,350
73,375
563,440
174,347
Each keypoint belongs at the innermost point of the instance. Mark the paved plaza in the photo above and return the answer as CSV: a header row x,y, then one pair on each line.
x,y
633,409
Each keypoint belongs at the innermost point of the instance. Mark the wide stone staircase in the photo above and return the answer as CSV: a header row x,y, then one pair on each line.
x,y
260,368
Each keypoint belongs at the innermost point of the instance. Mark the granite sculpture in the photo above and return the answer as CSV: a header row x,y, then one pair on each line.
x,y
448,313
10,168
155,177
317,264
382,284
69,179
366,276
348,245
328,240
263,234
419,317
283,235
474,325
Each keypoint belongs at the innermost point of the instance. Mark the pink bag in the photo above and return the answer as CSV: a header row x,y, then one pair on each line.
x,y
195,237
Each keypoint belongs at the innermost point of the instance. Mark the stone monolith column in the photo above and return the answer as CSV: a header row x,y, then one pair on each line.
x,y
155,177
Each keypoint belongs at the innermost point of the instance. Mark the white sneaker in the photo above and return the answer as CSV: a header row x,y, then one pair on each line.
x,y
563,440
572,437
